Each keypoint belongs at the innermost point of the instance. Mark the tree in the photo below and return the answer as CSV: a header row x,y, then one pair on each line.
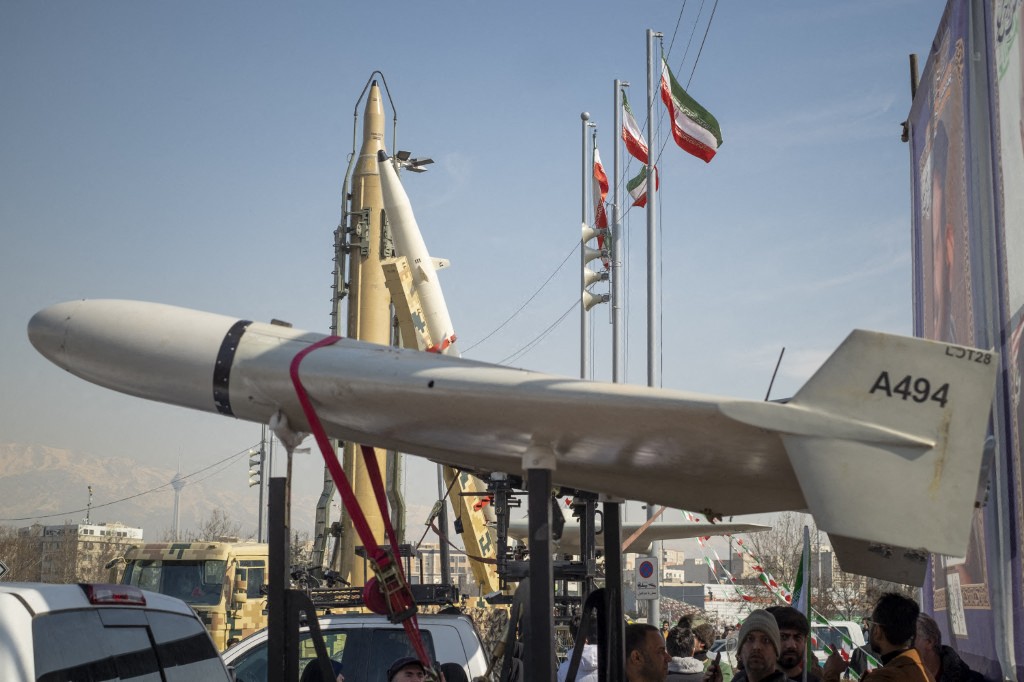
x,y
835,594
20,552
778,550
212,528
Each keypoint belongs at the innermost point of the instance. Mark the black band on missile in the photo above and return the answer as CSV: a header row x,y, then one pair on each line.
x,y
222,370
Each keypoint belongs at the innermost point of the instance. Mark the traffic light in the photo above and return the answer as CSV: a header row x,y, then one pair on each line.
x,y
255,467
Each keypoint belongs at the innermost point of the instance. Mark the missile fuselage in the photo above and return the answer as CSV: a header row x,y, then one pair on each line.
x,y
369,318
409,243
369,311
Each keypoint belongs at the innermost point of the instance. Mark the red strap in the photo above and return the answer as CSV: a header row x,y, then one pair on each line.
x,y
386,566
441,347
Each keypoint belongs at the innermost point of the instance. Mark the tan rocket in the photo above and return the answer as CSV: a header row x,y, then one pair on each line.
x,y
369,315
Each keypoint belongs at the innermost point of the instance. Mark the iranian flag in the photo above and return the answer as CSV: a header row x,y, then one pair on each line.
x,y
802,592
600,214
693,127
631,135
637,187
600,194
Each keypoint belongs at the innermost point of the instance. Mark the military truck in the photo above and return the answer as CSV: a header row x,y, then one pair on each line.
x,y
221,581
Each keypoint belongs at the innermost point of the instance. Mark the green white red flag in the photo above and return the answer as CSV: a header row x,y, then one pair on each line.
x,y
600,214
801,592
631,134
693,126
637,187
600,194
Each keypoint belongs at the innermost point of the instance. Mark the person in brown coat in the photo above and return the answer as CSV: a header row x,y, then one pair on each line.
x,y
893,625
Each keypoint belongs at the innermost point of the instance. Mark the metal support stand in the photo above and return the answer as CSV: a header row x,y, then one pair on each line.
x,y
615,636
585,508
277,628
284,605
444,554
540,644
501,488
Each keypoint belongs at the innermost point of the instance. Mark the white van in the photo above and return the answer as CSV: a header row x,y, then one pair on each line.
x,y
837,634
366,644
101,632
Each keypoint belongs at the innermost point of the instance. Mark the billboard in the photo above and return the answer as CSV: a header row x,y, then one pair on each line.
x,y
966,133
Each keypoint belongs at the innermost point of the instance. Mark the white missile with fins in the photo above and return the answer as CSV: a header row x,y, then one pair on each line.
x,y
409,243
889,427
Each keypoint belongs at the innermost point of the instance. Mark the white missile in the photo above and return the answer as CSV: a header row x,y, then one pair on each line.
x,y
409,243
889,427
569,542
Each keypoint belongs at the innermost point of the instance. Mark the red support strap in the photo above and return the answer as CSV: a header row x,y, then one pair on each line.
x,y
386,565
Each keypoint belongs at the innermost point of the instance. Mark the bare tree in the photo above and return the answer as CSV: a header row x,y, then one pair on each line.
x,y
60,554
779,550
21,553
301,549
214,527
835,594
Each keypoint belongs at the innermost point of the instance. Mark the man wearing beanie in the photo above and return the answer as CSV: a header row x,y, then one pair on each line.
x,y
759,647
893,625
406,669
705,634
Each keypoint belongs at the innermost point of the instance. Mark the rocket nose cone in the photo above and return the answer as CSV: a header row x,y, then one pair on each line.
x,y
382,155
47,329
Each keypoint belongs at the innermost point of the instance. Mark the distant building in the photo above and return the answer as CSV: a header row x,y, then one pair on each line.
x,y
698,571
426,568
76,552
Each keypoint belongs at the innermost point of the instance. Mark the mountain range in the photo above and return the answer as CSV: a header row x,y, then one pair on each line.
x,y
40,484
50,486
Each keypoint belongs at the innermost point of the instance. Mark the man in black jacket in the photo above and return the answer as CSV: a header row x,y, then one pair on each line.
x,y
940,660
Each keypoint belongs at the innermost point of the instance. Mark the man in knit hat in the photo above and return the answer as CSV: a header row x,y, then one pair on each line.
x,y
759,647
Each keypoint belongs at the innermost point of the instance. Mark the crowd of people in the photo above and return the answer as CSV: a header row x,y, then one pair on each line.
x,y
772,647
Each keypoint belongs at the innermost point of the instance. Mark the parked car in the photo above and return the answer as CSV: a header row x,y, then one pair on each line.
x,y
366,644
101,632
836,634
728,649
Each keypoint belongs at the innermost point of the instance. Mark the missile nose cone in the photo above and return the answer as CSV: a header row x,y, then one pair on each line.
x,y
46,331
134,347
382,155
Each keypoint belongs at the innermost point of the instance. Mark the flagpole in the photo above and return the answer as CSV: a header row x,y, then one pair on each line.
x,y
585,180
653,326
805,568
653,330
616,235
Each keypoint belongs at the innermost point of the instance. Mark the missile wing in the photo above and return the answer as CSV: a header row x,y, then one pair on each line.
x,y
883,445
569,543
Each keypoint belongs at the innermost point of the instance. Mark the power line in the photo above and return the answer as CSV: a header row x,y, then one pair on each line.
x,y
702,41
540,337
625,213
527,302
145,492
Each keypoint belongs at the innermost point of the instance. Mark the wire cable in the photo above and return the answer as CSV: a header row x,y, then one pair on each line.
x,y
527,302
625,213
540,337
132,497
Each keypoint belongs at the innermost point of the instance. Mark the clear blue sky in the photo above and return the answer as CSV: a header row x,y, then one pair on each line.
x,y
193,153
